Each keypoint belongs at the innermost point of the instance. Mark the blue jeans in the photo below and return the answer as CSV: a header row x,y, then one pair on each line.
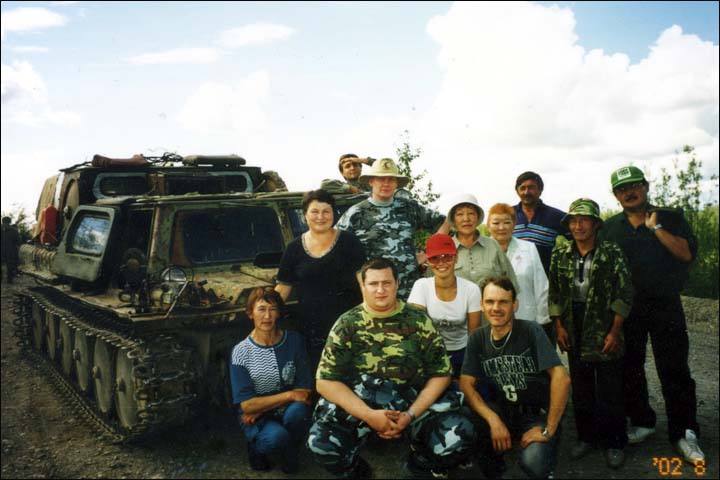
x,y
537,460
276,432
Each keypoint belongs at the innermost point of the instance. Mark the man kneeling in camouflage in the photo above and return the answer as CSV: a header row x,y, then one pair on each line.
x,y
384,368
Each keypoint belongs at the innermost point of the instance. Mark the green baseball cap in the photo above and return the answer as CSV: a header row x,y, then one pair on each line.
x,y
624,175
582,206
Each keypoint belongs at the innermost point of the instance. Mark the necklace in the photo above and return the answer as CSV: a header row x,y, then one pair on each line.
x,y
504,343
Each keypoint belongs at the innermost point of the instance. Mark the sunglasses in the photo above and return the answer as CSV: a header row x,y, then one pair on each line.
x,y
444,258
629,187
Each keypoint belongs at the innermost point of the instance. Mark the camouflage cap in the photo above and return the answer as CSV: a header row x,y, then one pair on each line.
x,y
582,206
345,158
385,167
630,174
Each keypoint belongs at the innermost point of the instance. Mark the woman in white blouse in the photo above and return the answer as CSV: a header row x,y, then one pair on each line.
x,y
452,302
525,260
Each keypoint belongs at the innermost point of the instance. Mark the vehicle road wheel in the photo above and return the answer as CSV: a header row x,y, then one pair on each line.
x,y
125,402
66,348
52,336
103,372
38,327
226,388
83,360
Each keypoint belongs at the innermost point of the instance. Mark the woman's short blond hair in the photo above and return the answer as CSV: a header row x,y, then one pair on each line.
x,y
501,209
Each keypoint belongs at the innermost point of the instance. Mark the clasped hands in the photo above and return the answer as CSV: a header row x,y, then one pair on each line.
x,y
388,424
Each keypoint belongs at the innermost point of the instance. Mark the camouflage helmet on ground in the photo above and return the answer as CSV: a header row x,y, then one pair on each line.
x,y
385,167
630,174
583,206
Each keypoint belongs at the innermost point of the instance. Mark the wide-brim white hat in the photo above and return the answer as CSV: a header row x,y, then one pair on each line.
x,y
385,167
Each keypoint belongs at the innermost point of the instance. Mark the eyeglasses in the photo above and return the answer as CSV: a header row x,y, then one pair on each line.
x,y
628,187
444,258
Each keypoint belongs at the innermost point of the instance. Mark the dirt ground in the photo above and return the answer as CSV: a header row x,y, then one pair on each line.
x,y
40,437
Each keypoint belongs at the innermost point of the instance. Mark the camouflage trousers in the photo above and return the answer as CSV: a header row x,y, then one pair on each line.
x,y
440,438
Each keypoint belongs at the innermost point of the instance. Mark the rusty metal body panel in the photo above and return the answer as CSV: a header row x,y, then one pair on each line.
x,y
160,258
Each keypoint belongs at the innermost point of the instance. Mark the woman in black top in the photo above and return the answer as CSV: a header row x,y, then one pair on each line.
x,y
321,264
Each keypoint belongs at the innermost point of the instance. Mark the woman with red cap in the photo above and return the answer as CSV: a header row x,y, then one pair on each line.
x,y
453,303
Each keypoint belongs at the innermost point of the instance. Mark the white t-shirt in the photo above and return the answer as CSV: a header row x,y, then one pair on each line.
x,y
450,318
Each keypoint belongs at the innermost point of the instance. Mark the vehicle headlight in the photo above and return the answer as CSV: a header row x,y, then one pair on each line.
x,y
174,274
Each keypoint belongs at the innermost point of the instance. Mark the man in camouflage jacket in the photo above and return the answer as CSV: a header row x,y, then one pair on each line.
x,y
384,369
590,296
386,222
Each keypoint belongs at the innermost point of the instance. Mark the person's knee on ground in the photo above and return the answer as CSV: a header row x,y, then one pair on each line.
x,y
338,459
272,439
445,440
535,460
297,417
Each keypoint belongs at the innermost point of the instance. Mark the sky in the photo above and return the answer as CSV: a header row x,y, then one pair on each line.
x,y
486,91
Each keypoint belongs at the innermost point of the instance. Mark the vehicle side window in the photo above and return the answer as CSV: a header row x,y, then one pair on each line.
x,y
228,235
91,235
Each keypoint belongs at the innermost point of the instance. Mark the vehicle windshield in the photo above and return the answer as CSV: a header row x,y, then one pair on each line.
x,y
229,235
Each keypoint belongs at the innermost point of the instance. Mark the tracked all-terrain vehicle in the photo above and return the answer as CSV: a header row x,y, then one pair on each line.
x,y
142,268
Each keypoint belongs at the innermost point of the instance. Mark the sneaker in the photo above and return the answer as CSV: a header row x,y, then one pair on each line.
x,y
688,447
580,449
639,434
415,470
614,457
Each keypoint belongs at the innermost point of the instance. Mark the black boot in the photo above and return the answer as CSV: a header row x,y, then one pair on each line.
x,y
258,461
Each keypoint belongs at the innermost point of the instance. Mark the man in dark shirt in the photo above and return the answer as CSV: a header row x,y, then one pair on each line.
x,y
536,222
10,245
659,245
514,380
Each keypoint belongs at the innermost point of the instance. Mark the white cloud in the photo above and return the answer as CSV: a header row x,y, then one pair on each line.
x,y
33,166
27,19
255,34
223,108
20,84
519,94
25,99
29,49
176,56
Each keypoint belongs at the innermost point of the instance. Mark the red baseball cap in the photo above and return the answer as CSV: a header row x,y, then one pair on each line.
x,y
440,244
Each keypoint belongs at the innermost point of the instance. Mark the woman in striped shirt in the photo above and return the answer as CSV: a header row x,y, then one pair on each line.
x,y
271,384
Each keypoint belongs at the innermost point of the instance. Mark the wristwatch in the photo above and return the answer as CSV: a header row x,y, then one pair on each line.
x,y
411,413
657,226
545,433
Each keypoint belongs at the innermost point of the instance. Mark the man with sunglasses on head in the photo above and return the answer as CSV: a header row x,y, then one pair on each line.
x,y
659,245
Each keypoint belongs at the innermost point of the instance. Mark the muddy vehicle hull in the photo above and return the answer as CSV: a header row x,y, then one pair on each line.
x,y
137,307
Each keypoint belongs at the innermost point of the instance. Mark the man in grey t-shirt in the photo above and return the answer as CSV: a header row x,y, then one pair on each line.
x,y
514,380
